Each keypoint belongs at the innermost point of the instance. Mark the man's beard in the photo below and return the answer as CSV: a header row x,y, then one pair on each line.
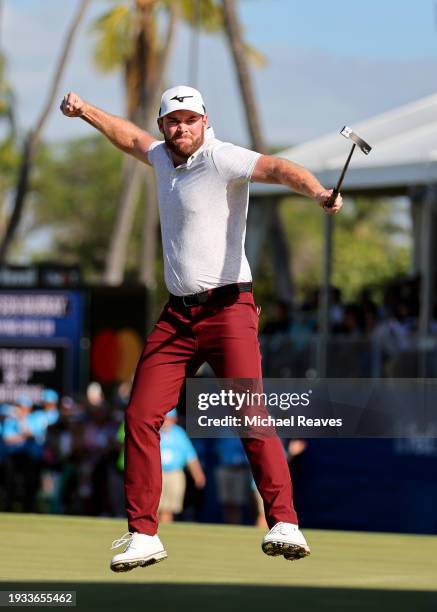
x,y
185,149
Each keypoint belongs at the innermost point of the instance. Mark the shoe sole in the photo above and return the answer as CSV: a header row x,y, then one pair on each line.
x,y
291,552
126,566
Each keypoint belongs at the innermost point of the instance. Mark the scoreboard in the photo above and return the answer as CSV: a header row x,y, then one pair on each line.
x,y
61,334
40,342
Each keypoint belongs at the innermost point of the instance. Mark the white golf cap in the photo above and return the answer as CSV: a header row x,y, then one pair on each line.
x,y
181,98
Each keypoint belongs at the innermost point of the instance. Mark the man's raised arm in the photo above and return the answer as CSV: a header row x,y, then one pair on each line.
x,y
122,133
271,169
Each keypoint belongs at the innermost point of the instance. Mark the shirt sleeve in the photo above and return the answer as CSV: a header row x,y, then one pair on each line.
x,y
234,163
9,429
151,151
52,416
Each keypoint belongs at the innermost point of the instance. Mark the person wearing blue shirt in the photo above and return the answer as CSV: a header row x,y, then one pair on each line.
x,y
21,475
17,433
24,437
177,452
41,420
5,411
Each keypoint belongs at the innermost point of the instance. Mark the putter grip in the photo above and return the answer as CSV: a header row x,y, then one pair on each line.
x,y
330,202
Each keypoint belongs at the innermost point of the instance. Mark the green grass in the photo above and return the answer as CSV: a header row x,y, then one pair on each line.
x,y
214,567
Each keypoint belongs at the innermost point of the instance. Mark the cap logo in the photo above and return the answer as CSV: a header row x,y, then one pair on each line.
x,y
181,98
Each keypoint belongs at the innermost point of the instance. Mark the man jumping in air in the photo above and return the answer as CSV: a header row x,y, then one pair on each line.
x,y
203,192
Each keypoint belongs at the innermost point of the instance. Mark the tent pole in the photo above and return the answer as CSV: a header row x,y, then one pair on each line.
x,y
426,275
324,298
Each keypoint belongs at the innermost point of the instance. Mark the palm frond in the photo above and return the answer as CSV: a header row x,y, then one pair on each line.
x,y
256,57
114,43
210,13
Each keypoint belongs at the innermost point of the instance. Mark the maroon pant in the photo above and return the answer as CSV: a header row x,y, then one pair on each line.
x,y
226,336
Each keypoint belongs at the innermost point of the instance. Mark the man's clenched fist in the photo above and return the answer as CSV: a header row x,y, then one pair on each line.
x,y
72,105
323,198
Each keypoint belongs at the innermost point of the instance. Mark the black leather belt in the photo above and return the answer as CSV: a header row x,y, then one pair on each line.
x,y
211,295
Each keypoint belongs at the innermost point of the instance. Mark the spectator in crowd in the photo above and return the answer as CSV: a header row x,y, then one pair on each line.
x,y
233,477
25,437
120,400
42,418
68,447
99,451
371,318
336,311
281,321
393,334
5,411
22,467
94,394
352,322
177,452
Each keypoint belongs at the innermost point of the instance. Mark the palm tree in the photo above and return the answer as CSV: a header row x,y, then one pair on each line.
x,y
266,215
127,39
32,140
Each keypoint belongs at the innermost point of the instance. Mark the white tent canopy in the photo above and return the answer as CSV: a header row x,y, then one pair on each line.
x,y
404,154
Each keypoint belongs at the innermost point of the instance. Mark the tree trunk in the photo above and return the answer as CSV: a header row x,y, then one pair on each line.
x,y
151,216
139,68
144,77
236,43
267,215
32,141
117,251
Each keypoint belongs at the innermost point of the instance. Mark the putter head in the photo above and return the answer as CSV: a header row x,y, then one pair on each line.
x,y
362,144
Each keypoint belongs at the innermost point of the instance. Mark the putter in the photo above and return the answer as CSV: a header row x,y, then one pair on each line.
x,y
365,148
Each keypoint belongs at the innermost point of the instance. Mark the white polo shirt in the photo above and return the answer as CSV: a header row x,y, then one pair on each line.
x,y
203,210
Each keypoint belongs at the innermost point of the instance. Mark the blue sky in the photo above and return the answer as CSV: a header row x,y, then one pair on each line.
x,y
330,63
378,29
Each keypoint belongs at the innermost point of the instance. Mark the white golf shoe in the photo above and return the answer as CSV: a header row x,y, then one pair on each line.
x,y
287,540
141,550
